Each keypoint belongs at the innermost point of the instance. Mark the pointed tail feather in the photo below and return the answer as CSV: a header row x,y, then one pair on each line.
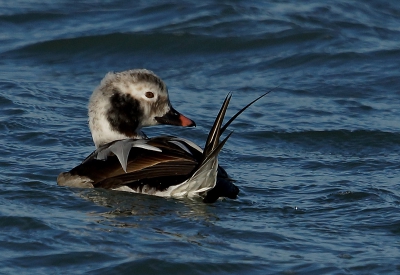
x,y
244,108
215,132
205,175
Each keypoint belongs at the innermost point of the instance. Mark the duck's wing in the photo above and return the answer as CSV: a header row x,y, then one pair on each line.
x,y
144,166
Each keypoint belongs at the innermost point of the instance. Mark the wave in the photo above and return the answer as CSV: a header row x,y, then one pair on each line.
x,y
158,43
336,31
351,138
155,42
30,17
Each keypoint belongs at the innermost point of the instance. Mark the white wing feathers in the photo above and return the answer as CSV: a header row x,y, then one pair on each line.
x,y
122,148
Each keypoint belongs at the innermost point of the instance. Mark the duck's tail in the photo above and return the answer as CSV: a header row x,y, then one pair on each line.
x,y
204,177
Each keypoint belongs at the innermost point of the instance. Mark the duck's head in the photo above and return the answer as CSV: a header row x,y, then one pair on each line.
x,y
125,102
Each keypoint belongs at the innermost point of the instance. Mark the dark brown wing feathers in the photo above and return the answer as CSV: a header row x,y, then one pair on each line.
x,y
142,164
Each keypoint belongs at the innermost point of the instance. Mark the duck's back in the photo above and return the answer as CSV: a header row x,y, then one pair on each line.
x,y
163,166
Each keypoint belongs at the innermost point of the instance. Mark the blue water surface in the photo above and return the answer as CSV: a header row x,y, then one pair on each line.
x,y
317,160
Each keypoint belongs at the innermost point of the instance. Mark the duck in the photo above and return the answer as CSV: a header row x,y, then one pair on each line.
x,y
125,159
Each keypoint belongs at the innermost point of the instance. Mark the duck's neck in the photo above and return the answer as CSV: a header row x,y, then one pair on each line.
x,y
102,134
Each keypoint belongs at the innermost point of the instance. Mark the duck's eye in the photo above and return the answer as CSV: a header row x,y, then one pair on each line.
x,y
149,95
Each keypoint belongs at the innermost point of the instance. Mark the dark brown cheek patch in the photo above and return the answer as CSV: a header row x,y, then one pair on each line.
x,y
124,114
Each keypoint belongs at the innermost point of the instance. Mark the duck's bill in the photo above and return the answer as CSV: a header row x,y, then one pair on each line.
x,y
173,117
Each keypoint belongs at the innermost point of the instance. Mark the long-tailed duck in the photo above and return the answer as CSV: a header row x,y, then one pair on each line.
x,y
127,160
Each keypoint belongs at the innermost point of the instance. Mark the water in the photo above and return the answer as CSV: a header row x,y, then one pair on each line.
x,y
317,160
